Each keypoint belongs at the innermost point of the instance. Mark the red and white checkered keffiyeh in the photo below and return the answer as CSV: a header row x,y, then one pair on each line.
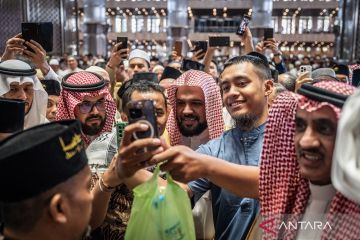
x,y
213,104
282,189
68,101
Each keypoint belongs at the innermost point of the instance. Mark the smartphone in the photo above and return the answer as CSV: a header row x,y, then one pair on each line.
x,y
123,41
41,32
188,64
144,112
306,68
223,41
243,24
126,64
199,45
147,76
120,126
268,33
178,48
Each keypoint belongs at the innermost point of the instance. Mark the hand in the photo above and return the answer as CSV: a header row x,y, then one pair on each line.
x,y
260,47
303,78
183,163
273,45
117,55
247,36
38,57
14,45
175,57
121,75
110,176
131,157
198,55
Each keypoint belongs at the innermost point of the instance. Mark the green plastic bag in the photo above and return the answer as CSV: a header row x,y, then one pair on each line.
x,y
160,213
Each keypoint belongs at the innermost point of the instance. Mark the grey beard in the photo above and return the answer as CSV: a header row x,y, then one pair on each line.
x,y
245,121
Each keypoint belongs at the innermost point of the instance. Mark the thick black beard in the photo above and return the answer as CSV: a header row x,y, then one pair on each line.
x,y
246,121
192,132
93,130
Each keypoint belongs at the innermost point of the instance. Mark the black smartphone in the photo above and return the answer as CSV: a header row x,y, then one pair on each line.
x,y
147,76
268,33
200,45
41,32
223,41
243,24
188,64
120,126
123,41
143,112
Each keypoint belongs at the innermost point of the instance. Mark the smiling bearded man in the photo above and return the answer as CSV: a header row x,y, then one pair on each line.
x,y
85,97
196,115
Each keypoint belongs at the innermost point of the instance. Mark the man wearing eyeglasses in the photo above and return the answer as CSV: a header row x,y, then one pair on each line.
x,y
86,98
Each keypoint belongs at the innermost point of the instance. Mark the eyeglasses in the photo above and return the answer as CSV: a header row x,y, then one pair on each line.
x,y
86,107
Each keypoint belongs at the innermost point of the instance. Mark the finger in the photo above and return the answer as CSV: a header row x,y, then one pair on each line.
x,y
116,46
124,56
16,49
303,75
15,41
37,45
167,155
129,130
142,158
133,148
169,166
123,50
34,47
305,80
201,55
163,143
28,53
19,35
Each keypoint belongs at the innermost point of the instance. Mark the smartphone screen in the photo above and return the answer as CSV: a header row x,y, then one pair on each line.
x,y
41,32
268,33
147,76
200,45
123,41
243,24
219,41
189,64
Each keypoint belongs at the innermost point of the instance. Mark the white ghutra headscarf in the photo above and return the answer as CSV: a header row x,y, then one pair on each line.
x,y
21,72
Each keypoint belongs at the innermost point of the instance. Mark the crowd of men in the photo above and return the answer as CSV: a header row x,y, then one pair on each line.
x,y
258,137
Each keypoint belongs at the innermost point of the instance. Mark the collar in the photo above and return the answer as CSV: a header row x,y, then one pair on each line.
x,y
252,132
322,193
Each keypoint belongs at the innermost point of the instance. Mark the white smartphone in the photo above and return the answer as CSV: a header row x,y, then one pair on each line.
x,y
126,64
305,68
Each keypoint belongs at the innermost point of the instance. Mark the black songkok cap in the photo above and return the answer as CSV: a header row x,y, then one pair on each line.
x,y
341,69
39,158
125,86
52,87
170,72
12,115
